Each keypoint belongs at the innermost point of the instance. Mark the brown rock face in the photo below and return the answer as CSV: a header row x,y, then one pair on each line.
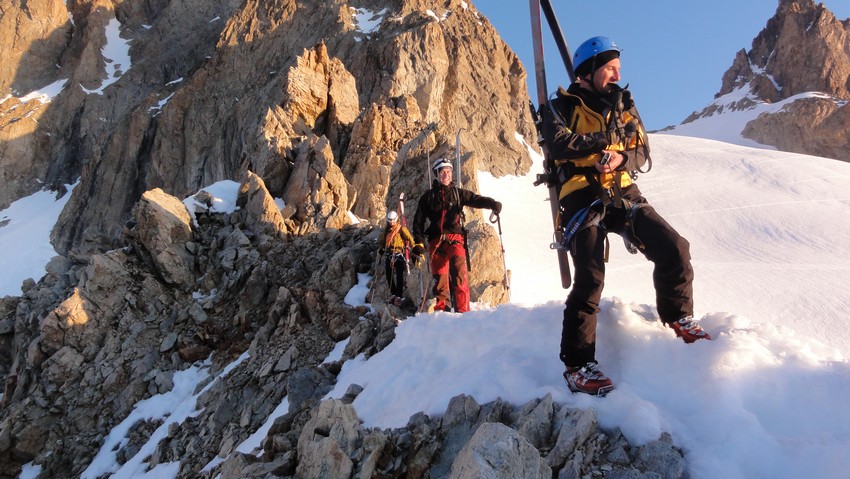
x,y
33,38
813,126
215,89
802,49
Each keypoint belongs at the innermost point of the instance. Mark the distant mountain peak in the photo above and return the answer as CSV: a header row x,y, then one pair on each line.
x,y
802,48
802,54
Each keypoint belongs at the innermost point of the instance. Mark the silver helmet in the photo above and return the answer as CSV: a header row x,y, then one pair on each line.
x,y
441,163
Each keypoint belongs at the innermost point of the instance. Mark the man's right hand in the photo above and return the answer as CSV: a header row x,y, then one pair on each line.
x,y
615,160
418,250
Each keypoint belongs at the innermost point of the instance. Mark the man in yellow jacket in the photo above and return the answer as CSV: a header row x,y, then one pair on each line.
x,y
594,134
394,243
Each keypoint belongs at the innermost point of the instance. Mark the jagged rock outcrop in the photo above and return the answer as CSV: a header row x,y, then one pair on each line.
x,y
494,440
263,218
803,49
123,329
241,85
318,188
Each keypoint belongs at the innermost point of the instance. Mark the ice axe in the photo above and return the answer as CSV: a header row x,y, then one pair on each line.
x,y
494,218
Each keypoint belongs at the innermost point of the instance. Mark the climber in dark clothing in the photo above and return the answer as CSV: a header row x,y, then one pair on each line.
x,y
595,137
441,208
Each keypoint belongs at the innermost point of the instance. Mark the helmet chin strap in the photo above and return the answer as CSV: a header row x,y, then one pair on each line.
x,y
593,76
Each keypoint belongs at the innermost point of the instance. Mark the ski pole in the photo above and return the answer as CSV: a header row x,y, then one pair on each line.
x,y
498,222
404,225
370,294
421,286
457,157
424,290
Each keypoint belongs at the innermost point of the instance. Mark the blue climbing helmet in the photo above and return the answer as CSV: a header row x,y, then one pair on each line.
x,y
590,55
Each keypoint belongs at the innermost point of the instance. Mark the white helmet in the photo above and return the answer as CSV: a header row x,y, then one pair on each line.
x,y
441,163
392,216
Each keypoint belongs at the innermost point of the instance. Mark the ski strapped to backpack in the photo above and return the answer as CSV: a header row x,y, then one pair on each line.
x,y
549,175
403,220
457,158
457,196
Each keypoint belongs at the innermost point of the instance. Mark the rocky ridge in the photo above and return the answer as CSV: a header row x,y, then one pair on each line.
x,y
249,83
218,289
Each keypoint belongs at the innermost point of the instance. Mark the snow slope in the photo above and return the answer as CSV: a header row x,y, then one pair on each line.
x,y
770,240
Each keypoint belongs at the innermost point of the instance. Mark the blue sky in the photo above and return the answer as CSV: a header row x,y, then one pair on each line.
x,y
674,52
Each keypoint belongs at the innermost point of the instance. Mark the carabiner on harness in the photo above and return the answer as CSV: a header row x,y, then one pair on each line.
x,y
576,224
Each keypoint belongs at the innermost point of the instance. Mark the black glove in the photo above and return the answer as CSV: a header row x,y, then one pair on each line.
x,y
497,207
380,251
418,250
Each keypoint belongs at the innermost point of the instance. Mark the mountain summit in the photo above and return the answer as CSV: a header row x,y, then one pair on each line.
x,y
800,62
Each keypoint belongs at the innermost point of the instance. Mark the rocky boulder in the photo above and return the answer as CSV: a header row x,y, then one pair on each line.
x,y
493,440
163,227
262,216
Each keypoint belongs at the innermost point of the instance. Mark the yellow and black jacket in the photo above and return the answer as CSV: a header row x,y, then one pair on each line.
x,y
575,130
394,238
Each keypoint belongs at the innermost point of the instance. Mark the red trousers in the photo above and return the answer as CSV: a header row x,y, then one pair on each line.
x,y
448,266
